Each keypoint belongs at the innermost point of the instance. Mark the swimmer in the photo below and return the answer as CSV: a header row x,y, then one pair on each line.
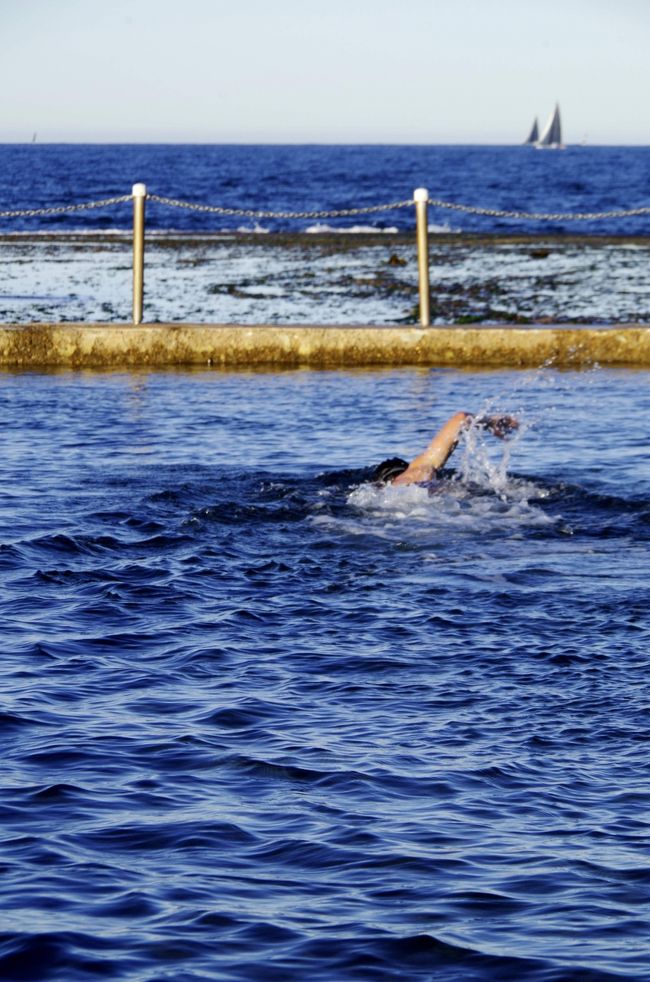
x,y
425,466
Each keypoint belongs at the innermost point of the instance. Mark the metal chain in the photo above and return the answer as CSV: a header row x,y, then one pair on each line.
x,y
340,213
434,202
246,213
64,209
562,216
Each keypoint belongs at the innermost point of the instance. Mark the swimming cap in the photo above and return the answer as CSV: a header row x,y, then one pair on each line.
x,y
389,469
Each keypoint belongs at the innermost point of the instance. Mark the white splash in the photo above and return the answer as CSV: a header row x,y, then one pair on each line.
x,y
480,498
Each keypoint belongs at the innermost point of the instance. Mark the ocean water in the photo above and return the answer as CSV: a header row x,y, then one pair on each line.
x,y
206,268
263,720
315,178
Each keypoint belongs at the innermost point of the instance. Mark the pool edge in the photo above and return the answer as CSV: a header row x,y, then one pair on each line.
x,y
77,345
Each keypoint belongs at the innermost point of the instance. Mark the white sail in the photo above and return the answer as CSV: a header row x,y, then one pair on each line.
x,y
533,136
552,135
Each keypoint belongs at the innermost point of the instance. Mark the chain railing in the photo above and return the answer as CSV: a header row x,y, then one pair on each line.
x,y
248,213
393,206
420,200
65,209
537,216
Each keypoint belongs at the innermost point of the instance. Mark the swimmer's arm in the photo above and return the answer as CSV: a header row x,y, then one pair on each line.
x,y
436,455
424,466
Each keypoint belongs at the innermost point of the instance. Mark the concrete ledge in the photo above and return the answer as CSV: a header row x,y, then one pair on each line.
x,y
42,346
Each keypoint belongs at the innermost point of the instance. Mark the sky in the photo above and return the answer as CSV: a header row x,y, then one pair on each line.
x,y
323,71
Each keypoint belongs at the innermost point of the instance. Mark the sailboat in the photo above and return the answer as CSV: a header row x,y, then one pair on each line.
x,y
551,138
533,136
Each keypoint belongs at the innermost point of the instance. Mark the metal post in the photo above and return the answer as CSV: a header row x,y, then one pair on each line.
x,y
139,196
421,198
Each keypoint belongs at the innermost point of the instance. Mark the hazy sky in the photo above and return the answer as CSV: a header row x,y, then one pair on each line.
x,y
378,71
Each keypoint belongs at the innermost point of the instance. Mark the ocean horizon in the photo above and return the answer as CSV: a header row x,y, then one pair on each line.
x,y
317,177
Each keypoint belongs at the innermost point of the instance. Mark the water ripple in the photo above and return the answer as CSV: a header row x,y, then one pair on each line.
x,y
268,721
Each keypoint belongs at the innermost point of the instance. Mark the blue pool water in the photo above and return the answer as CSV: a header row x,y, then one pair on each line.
x,y
261,720
314,178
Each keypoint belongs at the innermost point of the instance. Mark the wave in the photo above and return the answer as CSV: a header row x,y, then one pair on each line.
x,y
442,228
321,228
255,229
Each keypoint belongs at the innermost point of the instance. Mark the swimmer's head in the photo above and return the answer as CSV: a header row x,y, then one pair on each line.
x,y
388,470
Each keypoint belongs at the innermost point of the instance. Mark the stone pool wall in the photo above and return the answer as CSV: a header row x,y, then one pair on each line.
x,y
38,346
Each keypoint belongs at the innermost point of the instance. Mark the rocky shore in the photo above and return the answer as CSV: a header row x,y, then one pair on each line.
x,y
326,278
